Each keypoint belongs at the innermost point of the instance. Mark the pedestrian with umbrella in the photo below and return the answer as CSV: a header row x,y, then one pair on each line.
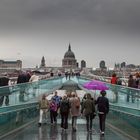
x,y
103,109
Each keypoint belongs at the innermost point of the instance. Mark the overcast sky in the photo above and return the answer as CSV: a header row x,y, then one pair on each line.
x,y
96,29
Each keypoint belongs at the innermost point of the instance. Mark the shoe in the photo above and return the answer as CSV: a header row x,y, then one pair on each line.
x,y
62,129
39,124
103,133
74,129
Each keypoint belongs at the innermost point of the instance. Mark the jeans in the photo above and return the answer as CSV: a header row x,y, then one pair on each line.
x,y
89,119
42,111
53,115
102,118
74,122
64,120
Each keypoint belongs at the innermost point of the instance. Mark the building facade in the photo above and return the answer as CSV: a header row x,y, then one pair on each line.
x,y
102,64
69,60
10,66
83,64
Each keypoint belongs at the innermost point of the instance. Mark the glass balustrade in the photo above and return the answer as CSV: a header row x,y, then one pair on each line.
x,y
23,102
27,92
127,123
18,116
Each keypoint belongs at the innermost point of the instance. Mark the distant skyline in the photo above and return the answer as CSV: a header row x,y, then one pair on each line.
x,y
97,30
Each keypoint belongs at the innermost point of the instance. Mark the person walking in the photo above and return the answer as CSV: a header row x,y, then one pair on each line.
x,y
57,99
88,109
75,110
43,106
103,109
34,82
64,111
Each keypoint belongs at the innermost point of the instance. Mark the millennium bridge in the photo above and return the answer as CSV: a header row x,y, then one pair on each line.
x,y
18,120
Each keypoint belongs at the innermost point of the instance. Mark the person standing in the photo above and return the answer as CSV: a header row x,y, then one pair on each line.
x,y
75,110
103,109
21,80
131,82
137,80
64,111
114,79
43,106
28,76
119,81
131,91
34,79
88,109
66,75
114,86
4,90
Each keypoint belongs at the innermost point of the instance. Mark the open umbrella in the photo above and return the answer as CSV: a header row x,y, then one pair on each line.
x,y
95,85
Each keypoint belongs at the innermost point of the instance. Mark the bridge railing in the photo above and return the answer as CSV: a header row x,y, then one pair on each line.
x,y
16,117
26,92
23,103
105,79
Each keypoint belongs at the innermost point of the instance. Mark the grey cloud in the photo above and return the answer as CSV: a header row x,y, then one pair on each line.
x,y
115,12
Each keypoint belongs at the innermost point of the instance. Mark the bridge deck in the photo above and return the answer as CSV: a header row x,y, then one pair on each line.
x,y
54,132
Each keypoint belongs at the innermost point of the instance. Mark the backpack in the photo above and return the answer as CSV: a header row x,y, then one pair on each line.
x,y
102,105
44,104
78,104
64,106
53,106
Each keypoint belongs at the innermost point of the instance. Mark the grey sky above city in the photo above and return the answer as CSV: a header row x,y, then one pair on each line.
x,y
96,29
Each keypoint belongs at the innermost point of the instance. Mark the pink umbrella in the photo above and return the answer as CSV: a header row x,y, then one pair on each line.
x,y
95,85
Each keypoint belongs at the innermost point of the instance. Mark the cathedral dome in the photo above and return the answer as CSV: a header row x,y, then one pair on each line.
x,y
69,53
